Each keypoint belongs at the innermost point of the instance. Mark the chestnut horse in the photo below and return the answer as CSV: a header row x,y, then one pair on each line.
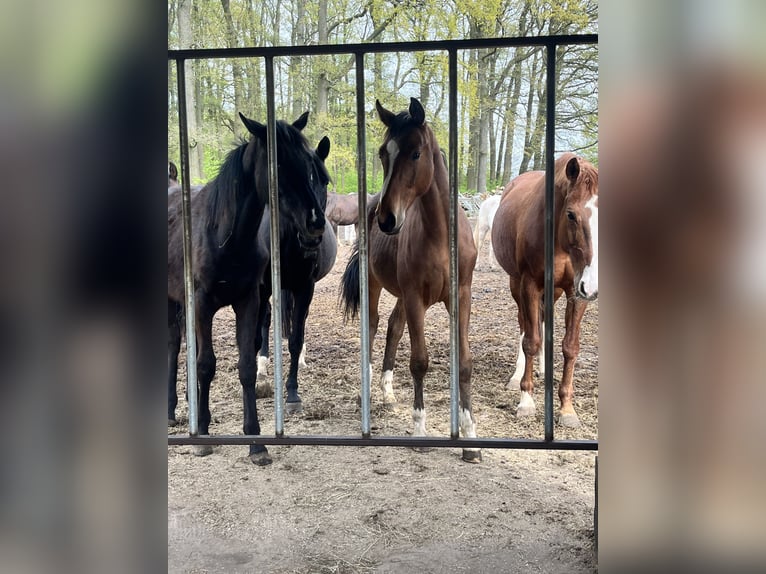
x,y
409,257
518,241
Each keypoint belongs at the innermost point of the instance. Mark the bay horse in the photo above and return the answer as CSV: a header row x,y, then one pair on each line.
x,y
302,262
229,264
487,211
409,257
518,242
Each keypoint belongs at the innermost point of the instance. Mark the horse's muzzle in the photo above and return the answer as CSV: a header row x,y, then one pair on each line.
x,y
389,225
310,243
582,294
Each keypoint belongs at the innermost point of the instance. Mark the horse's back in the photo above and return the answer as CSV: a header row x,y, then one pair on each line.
x,y
514,220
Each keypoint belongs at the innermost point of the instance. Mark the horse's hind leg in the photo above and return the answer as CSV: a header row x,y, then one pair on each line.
x,y
293,404
571,347
206,363
396,322
248,340
529,311
174,348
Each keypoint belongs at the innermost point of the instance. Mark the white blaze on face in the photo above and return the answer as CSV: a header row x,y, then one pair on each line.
x,y
589,281
393,150
419,422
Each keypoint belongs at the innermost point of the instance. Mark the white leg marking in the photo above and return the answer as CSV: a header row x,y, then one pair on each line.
x,y
589,279
541,354
521,363
263,367
526,405
419,422
387,384
302,357
467,424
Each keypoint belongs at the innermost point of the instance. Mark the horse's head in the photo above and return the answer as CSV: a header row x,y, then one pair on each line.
x,y
577,182
408,155
302,176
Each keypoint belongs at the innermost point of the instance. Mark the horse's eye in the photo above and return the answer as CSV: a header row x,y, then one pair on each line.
x,y
571,216
416,155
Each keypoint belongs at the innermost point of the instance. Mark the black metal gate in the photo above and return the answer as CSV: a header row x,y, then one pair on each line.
x,y
452,47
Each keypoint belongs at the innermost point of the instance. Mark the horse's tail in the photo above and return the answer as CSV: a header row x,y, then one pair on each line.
x,y
288,305
350,285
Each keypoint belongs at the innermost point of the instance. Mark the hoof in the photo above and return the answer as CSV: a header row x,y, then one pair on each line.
x,y
294,408
172,422
513,385
264,390
261,458
525,411
569,420
472,455
202,450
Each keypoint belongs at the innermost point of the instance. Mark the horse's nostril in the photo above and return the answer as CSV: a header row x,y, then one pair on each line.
x,y
388,224
582,287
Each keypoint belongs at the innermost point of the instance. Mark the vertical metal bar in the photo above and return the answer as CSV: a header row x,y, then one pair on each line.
x,y
276,272
191,335
550,135
453,263
364,323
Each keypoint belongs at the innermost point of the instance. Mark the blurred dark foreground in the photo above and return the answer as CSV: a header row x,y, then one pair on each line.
x,y
683,161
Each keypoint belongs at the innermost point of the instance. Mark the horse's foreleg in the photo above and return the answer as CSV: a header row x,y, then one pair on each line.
x,y
465,363
394,334
571,348
302,300
205,369
418,361
174,348
531,342
248,341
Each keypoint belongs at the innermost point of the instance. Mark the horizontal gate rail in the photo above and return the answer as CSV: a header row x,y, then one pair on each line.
x,y
268,53
406,441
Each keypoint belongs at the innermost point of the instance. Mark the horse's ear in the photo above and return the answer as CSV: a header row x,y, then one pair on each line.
x,y
255,128
385,116
323,149
417,112
301,122
573,169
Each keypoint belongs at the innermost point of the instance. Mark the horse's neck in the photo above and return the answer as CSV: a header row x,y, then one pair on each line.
x,y
435,201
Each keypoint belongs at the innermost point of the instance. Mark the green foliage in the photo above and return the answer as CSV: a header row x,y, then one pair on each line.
x,y
325,85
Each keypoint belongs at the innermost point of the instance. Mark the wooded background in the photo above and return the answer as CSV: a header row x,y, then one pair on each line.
x,y
501,92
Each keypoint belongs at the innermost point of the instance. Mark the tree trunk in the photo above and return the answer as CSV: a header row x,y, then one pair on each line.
x,y
185,40
528,129
236,68
323,84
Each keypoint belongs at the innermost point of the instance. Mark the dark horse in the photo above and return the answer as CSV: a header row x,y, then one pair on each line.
x,y
518,242
302,264
409,257
229,263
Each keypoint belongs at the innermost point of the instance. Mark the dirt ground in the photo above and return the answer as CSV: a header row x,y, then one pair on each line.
x,y
389,510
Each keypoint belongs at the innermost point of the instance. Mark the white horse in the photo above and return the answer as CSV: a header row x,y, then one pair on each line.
x,y
484,225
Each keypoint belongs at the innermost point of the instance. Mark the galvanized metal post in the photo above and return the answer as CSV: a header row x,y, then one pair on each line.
x,y
550,140
453,266
191,336
364,320
276,272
